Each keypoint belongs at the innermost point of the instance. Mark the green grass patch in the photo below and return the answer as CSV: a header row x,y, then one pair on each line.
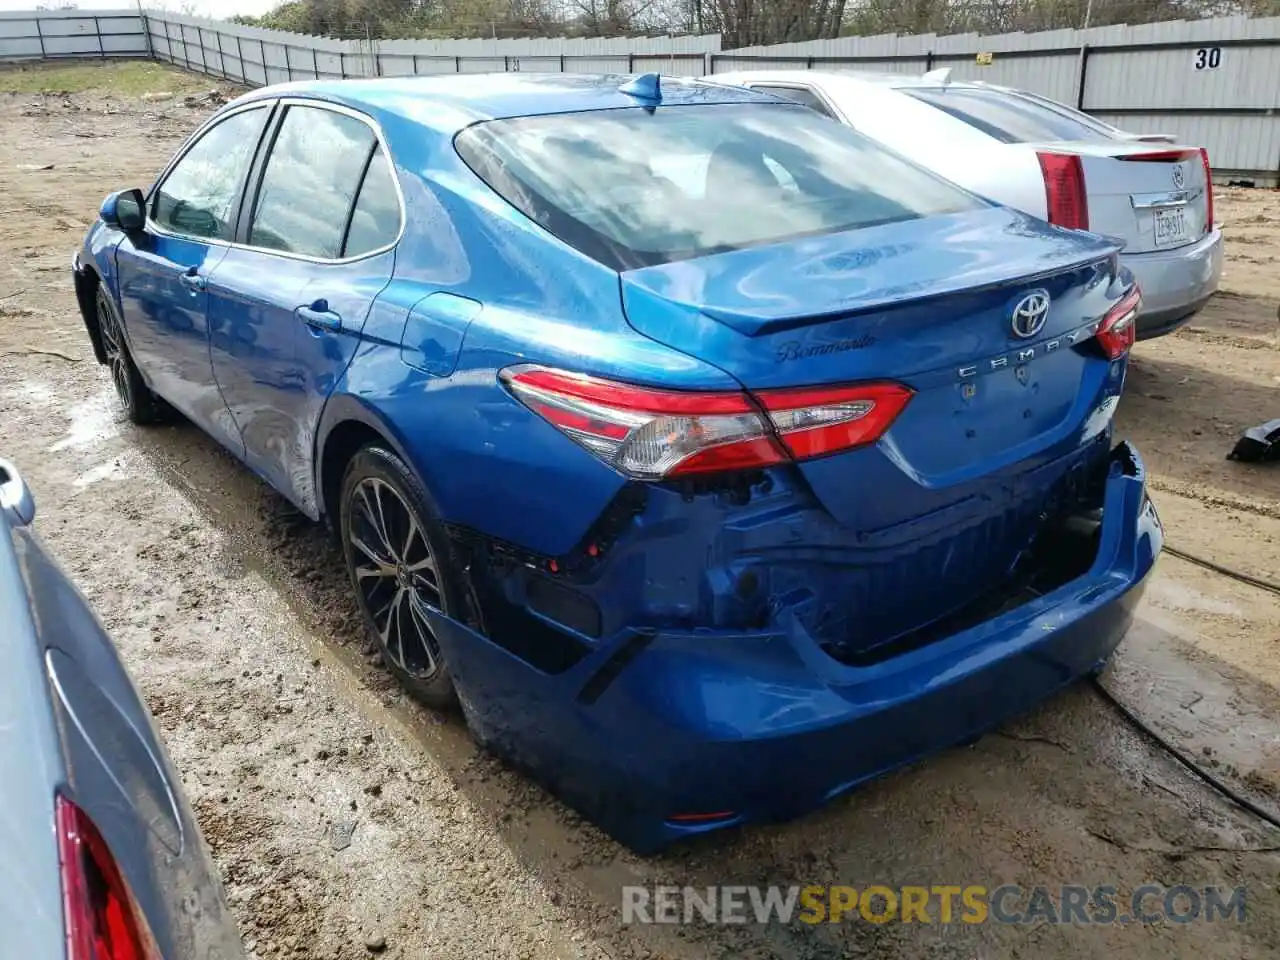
x,y
120,78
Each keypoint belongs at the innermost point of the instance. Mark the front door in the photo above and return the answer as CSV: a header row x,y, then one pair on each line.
x,y
163,272
288,304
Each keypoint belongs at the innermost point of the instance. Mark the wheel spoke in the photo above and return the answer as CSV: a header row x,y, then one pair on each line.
x,y
383,609
391,627
422,629
426,563
409,538
374,514
379,560
365,571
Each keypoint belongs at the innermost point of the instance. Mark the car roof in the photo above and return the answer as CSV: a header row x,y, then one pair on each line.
x,y
450,102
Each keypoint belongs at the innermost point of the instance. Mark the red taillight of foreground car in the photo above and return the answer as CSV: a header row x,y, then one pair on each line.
x,y
652,434
814,421
102,921
1064,192
1119,328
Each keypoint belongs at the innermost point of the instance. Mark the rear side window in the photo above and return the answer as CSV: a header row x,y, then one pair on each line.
x,y
1008,117
637,187
200,195
801,95
310,182
375,221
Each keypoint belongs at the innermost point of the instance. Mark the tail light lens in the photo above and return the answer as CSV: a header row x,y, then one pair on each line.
x,y
1208,190
1064,190
652,434
101,917
1119,329
814,421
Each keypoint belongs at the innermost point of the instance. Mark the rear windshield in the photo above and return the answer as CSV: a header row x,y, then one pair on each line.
x,y
638,187
1009,117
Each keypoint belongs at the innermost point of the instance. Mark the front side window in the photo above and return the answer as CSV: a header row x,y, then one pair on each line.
x,y
1008,117
636,187
200,195
310,182
800,95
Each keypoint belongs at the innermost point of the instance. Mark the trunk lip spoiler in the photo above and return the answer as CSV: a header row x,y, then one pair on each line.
x,y
752,325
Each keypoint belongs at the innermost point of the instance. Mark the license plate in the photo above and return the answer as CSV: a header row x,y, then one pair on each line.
x,y
1171,226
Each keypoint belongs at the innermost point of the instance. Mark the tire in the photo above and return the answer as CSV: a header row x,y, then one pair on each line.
x,y
140,405
393,583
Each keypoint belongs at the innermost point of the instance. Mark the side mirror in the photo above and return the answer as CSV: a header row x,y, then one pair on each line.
x,y
124,210
16,502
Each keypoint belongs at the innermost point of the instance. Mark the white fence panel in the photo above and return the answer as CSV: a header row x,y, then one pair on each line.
x,y
35,34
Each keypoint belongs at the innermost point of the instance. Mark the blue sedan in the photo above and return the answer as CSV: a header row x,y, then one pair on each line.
x,y
713,457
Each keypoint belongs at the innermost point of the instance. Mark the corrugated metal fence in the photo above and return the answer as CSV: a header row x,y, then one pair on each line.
x,y
1213,82
47,34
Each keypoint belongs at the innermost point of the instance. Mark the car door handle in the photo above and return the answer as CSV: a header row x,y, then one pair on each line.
x,y
193,281
319,316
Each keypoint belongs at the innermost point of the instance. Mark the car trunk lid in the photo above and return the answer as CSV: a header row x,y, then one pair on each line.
x,y
1151,196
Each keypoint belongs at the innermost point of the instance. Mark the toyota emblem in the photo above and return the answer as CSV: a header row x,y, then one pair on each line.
x,y
1179,176
1030,314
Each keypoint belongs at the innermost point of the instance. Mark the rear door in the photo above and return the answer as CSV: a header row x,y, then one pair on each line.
x,y
163,272
288,302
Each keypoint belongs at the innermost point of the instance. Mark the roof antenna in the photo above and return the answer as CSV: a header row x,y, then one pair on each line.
x,y
647,86
941,75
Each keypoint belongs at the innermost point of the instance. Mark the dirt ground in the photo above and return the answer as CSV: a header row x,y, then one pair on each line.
x,y
233,615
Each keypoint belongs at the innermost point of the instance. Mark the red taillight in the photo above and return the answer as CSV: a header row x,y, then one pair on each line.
x,y
1119,328
1208,190
813,421
651,434
1159,156
102,921
1064,190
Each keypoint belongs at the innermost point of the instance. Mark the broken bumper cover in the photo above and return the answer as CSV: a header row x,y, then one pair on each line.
x,y
659,735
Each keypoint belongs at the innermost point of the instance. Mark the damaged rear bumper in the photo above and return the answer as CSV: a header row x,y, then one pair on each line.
x,y
658,735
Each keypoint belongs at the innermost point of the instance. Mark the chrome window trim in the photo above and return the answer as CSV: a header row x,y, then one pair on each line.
x,y
285,102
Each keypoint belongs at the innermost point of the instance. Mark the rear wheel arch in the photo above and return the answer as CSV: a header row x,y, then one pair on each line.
x,y
347,427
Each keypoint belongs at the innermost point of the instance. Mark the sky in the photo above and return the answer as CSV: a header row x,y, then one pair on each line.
x,y
199,8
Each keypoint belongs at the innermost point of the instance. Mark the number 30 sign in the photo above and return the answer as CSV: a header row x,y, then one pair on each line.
x,y
1208,57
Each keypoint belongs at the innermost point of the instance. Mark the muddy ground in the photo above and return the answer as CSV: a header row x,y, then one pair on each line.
x,y
233,615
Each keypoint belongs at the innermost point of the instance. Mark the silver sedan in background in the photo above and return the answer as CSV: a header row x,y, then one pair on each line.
x,y
1043,158
102,857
